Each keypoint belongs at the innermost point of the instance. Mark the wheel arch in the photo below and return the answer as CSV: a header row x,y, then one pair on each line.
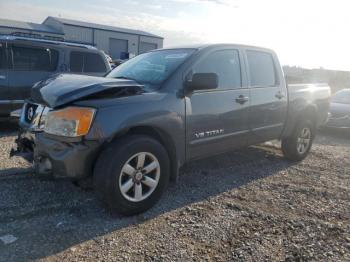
x,y
305,111
162,137
309,113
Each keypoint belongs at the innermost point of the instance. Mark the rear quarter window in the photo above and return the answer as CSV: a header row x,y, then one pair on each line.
x,y
34,59
81,62
261,69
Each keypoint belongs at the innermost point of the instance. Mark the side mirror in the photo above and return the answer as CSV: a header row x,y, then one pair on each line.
x,y
202,81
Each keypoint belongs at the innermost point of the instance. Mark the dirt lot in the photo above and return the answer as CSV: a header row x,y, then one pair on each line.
x,y
249,205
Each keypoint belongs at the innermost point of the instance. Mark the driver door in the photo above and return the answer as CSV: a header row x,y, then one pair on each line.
x,y
216,119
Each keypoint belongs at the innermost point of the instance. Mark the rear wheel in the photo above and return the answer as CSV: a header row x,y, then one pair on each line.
x,y
297,146
132,174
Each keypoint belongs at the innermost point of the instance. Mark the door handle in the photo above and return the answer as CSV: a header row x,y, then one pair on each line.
x,y
2,77
279,95
242,99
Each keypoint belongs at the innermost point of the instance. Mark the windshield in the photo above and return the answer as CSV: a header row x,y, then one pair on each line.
x,y
342,97
153,68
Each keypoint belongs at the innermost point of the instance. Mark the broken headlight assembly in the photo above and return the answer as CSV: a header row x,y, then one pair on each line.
x,y
70,121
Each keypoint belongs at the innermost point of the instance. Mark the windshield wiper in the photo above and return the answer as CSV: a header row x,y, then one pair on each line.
x,y
125,77
137,81
129,78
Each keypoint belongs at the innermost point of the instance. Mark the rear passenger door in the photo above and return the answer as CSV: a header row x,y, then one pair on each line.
x,y
268,96
4,93
87,63
28,65
216,120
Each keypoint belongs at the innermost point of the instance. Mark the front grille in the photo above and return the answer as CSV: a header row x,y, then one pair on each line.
x,y
33,116
29,112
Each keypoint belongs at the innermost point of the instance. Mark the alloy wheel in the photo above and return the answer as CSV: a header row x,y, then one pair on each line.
x,y
139,176
304,140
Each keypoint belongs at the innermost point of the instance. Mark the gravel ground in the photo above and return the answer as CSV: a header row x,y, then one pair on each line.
x,y
10,165
250,205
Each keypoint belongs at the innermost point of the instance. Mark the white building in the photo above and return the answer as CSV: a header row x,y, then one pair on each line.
x,y
115,41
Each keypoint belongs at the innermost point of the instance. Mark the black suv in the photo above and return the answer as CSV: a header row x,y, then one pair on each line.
x,y
25,61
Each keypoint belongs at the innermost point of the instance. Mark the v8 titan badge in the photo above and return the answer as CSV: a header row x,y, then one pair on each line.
x,y
209,133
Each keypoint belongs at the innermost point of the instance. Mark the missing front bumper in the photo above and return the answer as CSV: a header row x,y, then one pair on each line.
x,y
53,157
24,146
73,160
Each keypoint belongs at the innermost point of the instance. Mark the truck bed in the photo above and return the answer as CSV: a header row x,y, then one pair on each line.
x,y
316,96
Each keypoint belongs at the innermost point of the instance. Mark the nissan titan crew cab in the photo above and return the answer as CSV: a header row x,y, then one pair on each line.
x,y
133,129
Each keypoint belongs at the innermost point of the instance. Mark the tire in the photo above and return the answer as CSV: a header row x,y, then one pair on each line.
x,y
111,174
291,145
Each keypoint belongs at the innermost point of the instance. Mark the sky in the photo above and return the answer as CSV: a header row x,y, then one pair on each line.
x,y
307,33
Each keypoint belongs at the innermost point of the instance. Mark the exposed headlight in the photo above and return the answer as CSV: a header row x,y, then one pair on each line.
x,y
70,121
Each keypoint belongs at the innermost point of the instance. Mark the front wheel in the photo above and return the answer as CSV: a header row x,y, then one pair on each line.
x,y
297,146
132,174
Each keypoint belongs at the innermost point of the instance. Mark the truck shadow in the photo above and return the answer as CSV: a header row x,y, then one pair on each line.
x,y
48,217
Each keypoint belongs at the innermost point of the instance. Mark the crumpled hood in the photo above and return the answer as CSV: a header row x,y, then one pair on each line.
x,y
339,110
62,89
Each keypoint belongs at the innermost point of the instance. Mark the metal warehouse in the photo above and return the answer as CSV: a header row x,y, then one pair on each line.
x,y
115,41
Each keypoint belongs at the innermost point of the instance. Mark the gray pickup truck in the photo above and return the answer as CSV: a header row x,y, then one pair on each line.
x,y
133,129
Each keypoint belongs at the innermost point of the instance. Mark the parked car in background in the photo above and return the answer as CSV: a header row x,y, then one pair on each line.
x,y
133,129
25,61
109,59
339,112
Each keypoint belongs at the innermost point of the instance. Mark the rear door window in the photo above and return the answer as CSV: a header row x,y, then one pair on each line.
x,y
261,69
34,59
86,62
76,62
94,63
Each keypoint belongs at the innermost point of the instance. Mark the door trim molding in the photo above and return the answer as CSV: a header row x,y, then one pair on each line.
x,y
267,127
213,138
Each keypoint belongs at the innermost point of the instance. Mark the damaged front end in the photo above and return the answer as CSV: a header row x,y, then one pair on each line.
x,y
50,148
31,122
50,158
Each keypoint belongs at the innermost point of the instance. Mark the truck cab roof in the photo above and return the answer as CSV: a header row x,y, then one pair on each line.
x,y
219,45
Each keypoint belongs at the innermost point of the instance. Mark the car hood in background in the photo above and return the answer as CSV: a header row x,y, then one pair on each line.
x,y
66,88
339,110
